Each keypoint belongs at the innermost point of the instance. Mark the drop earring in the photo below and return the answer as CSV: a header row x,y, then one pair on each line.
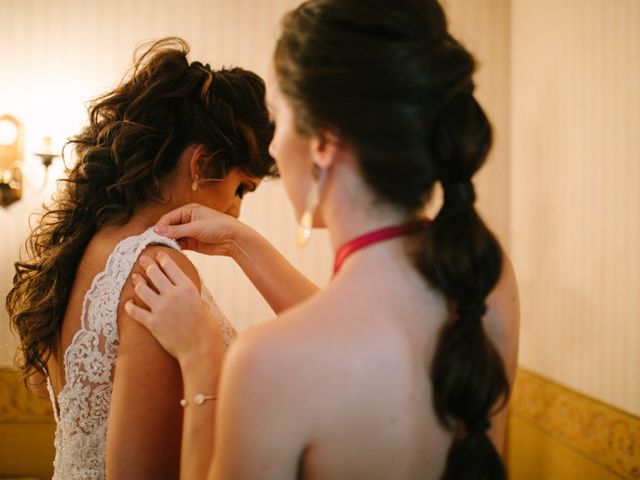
x,y
194,184
305,223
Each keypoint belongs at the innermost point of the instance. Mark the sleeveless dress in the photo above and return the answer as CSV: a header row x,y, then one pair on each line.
x,y
82,407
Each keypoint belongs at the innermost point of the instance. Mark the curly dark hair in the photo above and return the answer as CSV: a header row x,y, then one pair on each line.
x,y
134,137
390,79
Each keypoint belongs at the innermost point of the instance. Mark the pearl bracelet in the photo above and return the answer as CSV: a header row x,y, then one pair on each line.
x,y
198,399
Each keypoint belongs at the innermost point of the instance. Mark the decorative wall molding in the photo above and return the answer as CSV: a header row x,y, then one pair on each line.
x,y
17,404
604,434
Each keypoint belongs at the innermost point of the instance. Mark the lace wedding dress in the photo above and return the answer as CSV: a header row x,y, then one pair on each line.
x,y
82,407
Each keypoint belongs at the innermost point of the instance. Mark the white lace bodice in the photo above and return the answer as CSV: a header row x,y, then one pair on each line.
x,y
82,407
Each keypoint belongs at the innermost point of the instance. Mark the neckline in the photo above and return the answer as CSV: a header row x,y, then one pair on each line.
x,y
376,236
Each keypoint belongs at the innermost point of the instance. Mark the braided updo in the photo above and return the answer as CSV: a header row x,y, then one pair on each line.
x,y
134,137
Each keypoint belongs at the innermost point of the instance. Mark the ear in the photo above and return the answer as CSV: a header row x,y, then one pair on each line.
x,y
199,156
325,148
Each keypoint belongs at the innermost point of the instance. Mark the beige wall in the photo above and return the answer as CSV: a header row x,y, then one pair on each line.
x,y
575,192
562,186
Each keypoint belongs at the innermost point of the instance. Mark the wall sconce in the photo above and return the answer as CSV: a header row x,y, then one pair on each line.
x,y
11,153
46,156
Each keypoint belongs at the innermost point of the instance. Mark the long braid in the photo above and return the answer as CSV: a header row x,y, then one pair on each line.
x,y
463,259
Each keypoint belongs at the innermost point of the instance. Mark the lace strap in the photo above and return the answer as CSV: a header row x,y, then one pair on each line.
x,y
100,304
121,262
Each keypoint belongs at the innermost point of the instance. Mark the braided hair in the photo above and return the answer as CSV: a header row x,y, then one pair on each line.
x,y
390,79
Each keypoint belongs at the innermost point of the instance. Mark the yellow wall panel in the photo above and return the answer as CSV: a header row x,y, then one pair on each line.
x,y
557,432
26,430
533,455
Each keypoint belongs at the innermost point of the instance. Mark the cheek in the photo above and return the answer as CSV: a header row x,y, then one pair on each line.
x,y
294,165
221,197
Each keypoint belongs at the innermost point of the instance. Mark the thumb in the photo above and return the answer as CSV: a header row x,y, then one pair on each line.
x,y
188,230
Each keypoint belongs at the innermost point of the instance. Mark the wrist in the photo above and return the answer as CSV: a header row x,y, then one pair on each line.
x,y
241,235
201,356
200,373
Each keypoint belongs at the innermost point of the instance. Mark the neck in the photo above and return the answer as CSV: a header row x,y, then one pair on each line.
x,y
148,214
350,225
349,210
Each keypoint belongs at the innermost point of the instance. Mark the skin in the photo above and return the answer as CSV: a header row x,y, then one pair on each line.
x,y
147,383
336,387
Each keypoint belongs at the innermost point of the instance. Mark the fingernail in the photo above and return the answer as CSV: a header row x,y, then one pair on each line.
x,y
135,278
160,229
144,261
161,256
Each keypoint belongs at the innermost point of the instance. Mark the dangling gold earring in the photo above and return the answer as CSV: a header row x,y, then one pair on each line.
x,y
305,224
194,184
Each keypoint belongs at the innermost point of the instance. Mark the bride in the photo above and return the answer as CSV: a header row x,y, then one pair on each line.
x,y
173,132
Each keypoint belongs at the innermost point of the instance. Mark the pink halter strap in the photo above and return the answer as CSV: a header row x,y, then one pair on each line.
x,y
375,237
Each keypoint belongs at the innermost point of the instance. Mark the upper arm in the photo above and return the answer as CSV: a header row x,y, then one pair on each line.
x,y
506,330
503,327
145,418
260,413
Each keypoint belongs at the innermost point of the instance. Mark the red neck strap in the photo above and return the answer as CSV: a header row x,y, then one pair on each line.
x,y
375,237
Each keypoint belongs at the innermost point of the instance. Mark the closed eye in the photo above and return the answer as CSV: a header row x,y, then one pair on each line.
x,y
243,189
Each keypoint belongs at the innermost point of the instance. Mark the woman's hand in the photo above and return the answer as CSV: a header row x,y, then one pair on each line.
x,y
175,313
207,231
200,229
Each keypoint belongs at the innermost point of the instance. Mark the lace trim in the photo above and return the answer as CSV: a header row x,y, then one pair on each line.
x,y
83,404
228,332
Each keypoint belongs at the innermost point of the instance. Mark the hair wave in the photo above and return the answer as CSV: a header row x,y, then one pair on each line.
x,y
133,139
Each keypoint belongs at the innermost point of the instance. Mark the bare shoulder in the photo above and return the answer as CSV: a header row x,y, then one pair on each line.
x,y
178,257
267,387
282,352
298,359
141,337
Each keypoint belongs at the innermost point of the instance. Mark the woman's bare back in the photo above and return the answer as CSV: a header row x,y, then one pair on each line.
x,y
353,365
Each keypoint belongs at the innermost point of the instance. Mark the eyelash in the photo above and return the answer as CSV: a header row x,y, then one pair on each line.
x,y
242,190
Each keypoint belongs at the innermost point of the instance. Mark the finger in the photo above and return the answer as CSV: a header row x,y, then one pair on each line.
x,y
156,275
186,230
171,269
139,314
180,215
145,293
